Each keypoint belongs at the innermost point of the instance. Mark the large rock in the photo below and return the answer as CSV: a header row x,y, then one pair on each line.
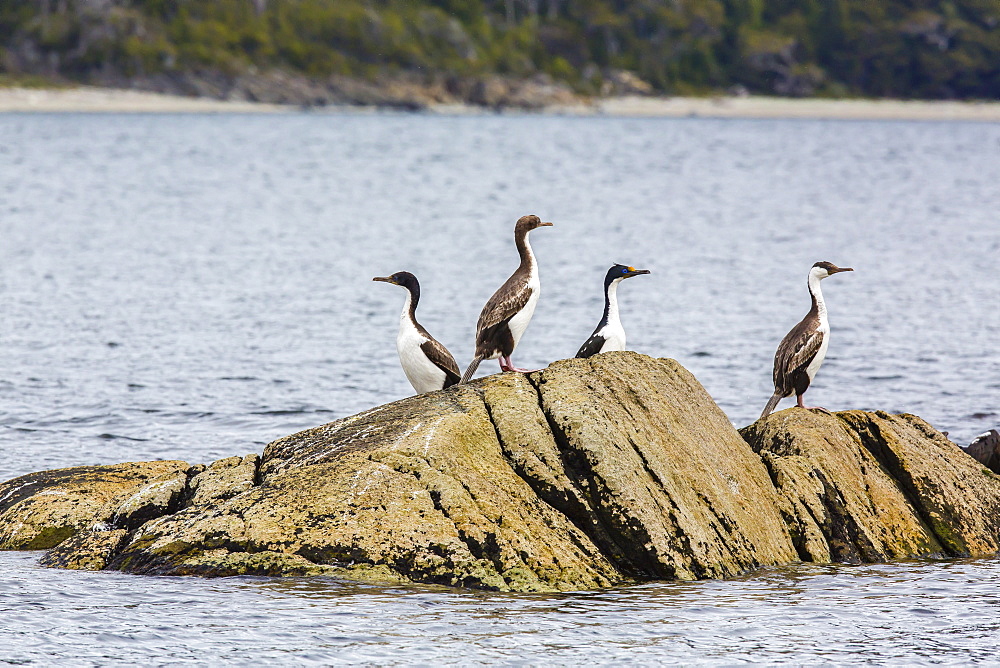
x,y
860,486
592,473
615,469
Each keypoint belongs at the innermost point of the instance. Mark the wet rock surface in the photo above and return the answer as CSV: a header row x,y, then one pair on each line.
x,y
591,473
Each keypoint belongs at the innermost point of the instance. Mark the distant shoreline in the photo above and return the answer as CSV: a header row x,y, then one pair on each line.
x,y
86,99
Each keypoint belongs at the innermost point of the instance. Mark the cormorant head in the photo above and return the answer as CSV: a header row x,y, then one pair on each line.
x,y
823,269
401,278
527,223
620,271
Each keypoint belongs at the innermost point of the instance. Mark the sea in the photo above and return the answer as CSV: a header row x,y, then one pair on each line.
x,y
194,286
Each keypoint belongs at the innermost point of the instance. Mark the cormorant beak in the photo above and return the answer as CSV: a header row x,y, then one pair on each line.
x,y
384,279
636,272
545,224
840,269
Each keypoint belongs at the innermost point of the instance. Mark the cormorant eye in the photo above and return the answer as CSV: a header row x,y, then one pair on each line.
x,y
624,271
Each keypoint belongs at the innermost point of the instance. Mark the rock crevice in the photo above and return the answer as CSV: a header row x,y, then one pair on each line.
x,y
874,486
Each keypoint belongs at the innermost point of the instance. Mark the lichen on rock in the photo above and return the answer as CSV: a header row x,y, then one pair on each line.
x,y
40,510
87,550
222,479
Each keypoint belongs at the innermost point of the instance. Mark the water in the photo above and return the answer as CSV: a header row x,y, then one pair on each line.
x,y
914,613
193,287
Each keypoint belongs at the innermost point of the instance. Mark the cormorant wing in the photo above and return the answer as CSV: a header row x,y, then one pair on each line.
x,y
592,346
442,359
502,306
795,352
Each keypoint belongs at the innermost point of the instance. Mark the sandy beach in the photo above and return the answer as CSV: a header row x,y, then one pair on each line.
x,y
88,99
776,107
104,100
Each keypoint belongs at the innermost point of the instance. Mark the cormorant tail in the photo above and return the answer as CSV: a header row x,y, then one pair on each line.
x,y
771,403
473,365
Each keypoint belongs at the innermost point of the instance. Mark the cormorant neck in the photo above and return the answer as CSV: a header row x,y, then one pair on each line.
x,y
818,305
611,301
524,249
410,306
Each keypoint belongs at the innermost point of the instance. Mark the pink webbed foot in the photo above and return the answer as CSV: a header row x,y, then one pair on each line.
x,y
511,367
798,402
507,365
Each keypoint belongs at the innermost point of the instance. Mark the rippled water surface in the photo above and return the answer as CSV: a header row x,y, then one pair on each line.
x,y
191,287
913,613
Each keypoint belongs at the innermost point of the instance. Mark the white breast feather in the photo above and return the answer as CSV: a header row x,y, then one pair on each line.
x,y
519,322
614,337
423,374
817,361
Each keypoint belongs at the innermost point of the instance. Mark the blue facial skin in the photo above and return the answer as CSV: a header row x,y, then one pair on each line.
x,y
622,271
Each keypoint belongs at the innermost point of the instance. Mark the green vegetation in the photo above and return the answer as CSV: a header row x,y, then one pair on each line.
x,y
892,48
30,81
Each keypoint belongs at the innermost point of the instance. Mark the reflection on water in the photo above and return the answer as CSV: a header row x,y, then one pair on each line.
x,y
917,612
194,286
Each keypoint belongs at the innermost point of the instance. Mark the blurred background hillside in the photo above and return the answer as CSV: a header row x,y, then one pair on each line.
x,y
506,52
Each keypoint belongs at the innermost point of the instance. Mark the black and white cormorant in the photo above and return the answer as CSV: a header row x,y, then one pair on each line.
x,y
801,352
609,334
427,364
507,313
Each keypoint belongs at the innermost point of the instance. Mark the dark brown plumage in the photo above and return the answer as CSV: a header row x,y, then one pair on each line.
x,y
441,358
803,349
795,352
506,314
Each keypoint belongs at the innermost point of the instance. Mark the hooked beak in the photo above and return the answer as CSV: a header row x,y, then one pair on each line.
x,y
384,279
545,224
636,272
840,269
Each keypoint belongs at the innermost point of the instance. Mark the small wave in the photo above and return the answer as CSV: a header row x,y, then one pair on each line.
x,y
118,437
292,411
